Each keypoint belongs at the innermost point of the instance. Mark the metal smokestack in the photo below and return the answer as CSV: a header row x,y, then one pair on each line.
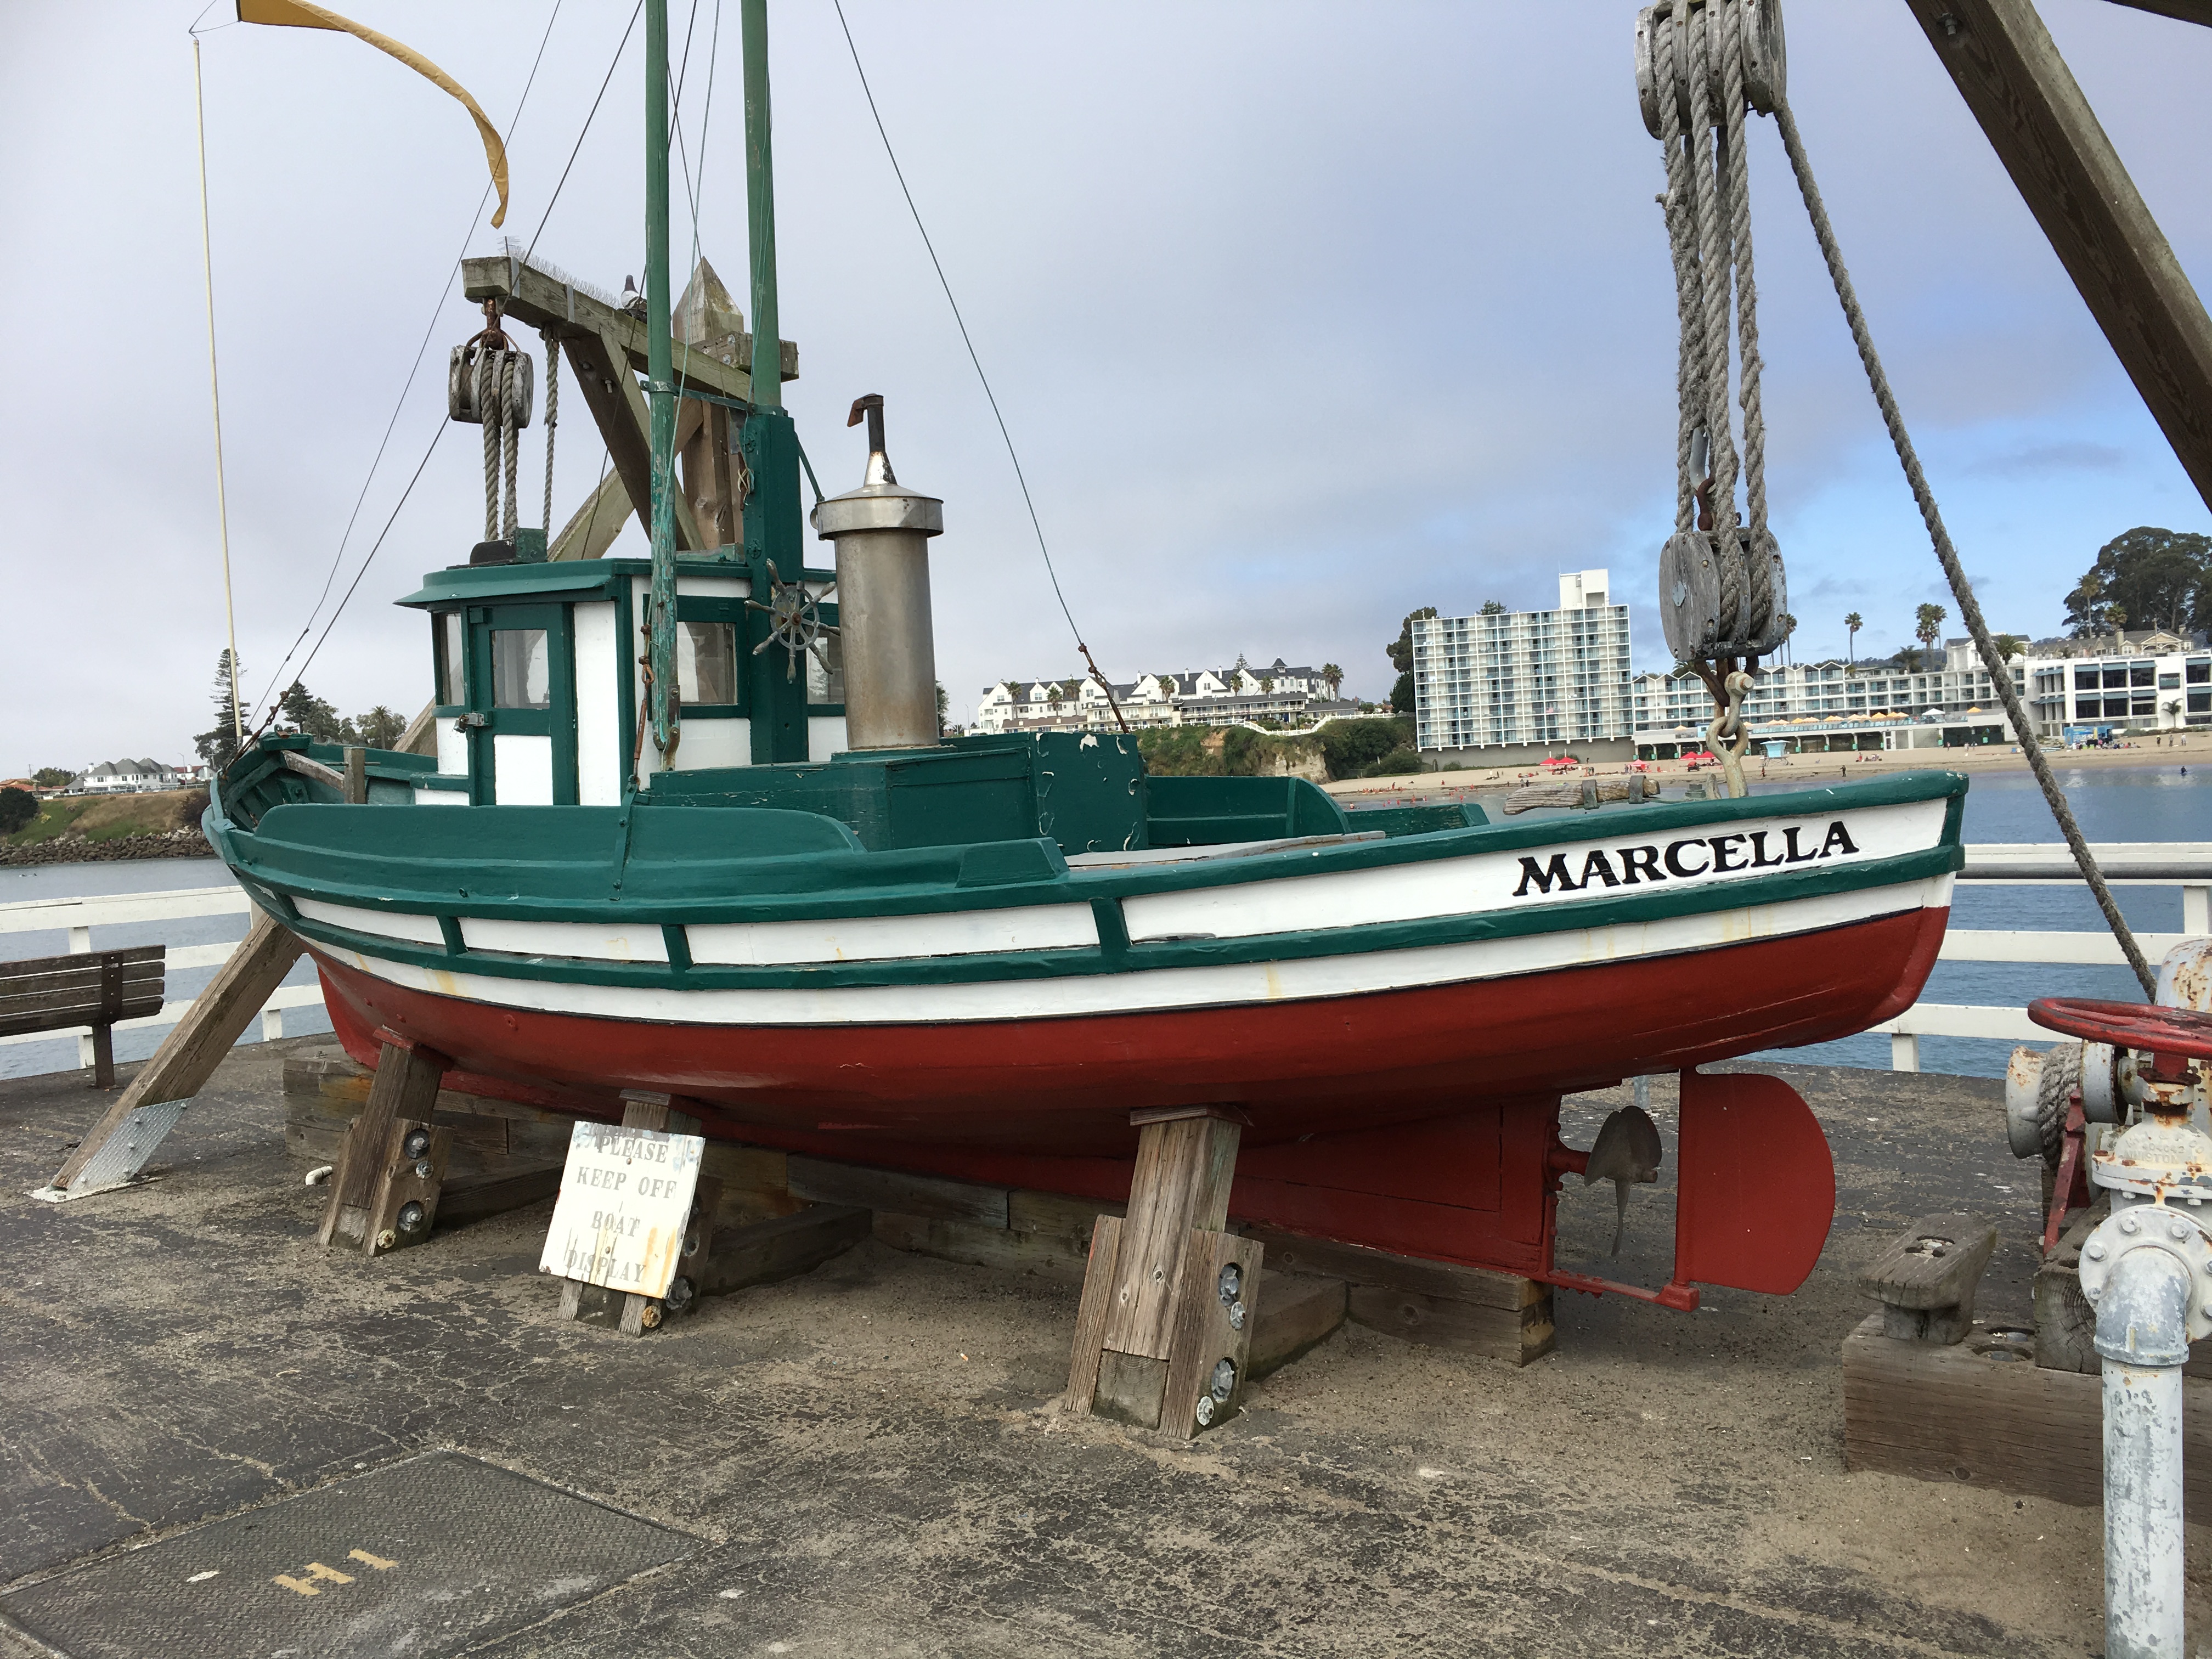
x,y
881,532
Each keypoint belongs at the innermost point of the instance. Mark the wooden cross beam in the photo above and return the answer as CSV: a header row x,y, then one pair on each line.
x,y
2182,11
606,347
2009,72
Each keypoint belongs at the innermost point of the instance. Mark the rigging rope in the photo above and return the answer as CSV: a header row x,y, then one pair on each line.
x,y
215,394
1946,555
1036,524
1676,43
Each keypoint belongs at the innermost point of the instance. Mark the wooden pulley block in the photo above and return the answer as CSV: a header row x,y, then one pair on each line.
x,y
461,376
1767,632
1764,67
1689,594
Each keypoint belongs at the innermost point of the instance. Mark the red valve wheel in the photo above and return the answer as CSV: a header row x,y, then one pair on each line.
x,y
2147,1026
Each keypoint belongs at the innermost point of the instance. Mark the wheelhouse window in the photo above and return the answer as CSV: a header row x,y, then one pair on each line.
x,y
520,669
445,654
827,684
707,662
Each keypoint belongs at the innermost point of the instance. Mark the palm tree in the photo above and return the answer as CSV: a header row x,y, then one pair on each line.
x,y
1852,623
1333,677
1928,624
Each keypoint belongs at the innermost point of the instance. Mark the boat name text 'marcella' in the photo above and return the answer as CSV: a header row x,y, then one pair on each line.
x,y
1696,855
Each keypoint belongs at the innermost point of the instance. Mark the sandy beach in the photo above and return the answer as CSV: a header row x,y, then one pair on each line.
x,y
2178,749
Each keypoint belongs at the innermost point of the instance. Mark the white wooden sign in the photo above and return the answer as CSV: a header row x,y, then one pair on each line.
x,y
625,1196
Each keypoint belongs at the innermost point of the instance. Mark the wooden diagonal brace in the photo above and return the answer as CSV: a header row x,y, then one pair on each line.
x,y
197,1043
594,527
2010,74
625,421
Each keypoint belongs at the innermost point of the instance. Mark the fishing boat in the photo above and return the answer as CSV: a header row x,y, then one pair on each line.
x,y
690,827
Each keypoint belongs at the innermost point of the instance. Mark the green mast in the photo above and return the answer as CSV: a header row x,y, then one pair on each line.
x,y
775,545
760,211
665,707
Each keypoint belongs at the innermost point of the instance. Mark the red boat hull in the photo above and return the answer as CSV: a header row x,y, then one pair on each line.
x,y
1066,1086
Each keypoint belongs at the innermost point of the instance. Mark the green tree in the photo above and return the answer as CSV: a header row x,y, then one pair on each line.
x,y
303,711
1333,677
1852,623
2159,578
218,744
1401,658
381,728
52,777
1492,608
17,808
1928,624
2010,646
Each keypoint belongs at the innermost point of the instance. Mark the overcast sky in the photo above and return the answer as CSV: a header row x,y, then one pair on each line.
x,y
1301,315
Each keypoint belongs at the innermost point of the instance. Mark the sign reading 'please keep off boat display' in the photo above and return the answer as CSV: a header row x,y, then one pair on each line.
x,y
625,1199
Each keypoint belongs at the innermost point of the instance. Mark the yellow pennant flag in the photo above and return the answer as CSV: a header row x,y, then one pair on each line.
x,y
300,15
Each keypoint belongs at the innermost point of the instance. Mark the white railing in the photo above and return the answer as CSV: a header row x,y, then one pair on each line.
x,y
2187,865
79,916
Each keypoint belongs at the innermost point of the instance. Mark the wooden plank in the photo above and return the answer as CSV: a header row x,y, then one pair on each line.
x,y
103,1056
531,296
591,529
1055,1212
406,1085
197,1043
1132,1389
1516,1335
1180,1185
1211,1327
1091,1316
62,1009
136,960
415,1176
1296,1312
2182,11
2010,74
823,1183
1948,1411
1052,1256
420,737
780,1248
1292,1252
471,1197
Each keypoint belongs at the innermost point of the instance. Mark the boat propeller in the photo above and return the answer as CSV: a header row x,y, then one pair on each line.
x,y
1626,1151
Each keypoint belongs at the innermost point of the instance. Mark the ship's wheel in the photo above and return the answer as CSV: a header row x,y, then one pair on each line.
x,y
795,622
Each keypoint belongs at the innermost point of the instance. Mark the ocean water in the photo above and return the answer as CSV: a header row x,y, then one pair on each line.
x,y
135,876
2146,803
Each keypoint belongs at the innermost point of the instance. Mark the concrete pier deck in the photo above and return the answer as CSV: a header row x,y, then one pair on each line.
x,y
867,1460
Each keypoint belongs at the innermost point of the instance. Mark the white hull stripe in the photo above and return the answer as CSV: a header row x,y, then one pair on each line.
x,y
1162,990
1555,873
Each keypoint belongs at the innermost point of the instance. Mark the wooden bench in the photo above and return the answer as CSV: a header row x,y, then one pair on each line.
x,y
95,988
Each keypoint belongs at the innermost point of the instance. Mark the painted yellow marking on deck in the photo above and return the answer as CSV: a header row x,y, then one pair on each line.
x,y
376,1561
314,1570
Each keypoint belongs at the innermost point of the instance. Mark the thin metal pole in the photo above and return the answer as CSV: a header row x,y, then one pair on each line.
x,y
760,212
215,393
666,709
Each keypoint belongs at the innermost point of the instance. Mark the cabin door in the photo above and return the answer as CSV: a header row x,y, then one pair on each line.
x,y
522,706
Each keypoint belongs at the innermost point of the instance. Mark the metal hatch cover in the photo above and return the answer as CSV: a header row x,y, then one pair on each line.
x,y
424,1558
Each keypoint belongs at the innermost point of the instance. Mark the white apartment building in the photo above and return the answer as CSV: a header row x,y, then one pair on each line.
x,y
127,776
1277,694
1525,676
2149,681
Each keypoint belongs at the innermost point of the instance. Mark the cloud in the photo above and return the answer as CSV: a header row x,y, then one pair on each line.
x,y
2044,458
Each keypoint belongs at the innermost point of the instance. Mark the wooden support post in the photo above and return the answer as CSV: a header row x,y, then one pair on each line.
x,y
356,774
376,1174
1165,1323
2009,72
198,1042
